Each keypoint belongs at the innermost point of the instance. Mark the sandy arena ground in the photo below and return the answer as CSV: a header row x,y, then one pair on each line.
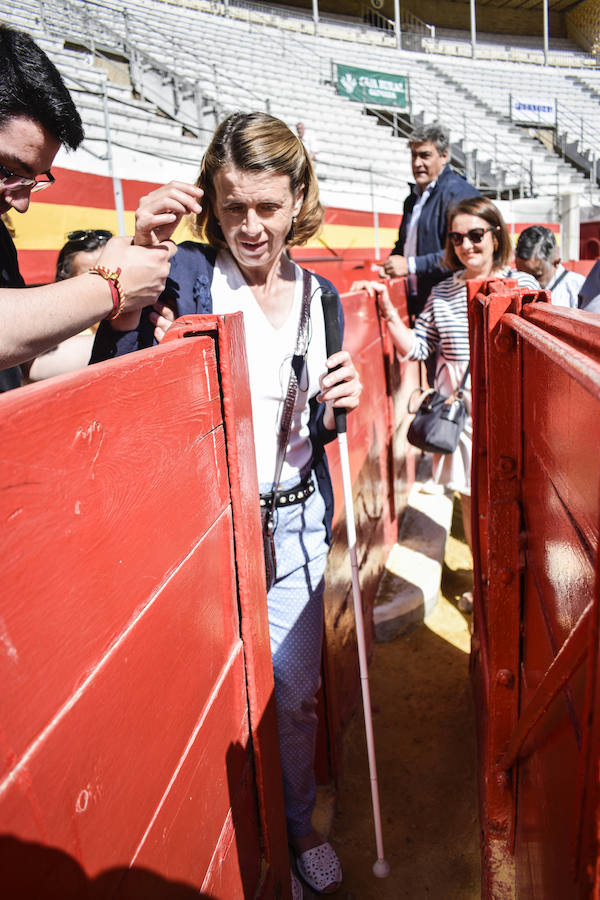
x,y
426,760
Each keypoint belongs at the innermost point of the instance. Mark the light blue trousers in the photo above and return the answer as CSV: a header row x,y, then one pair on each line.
x,y
295,605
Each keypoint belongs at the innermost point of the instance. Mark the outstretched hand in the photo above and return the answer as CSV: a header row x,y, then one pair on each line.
x,y
160,212
340,388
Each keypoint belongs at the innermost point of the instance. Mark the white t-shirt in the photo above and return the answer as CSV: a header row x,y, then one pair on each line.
x,y
270,352
566,292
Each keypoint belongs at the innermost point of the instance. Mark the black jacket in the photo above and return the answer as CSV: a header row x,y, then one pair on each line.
x,y
10,277
431,231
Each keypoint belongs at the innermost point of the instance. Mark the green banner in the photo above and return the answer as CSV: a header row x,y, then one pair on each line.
x,y
374,88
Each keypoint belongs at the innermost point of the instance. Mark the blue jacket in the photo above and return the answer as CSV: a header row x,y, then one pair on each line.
x,y
188,292
431,232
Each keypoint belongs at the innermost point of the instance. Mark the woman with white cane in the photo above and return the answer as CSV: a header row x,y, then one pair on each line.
x,y
259,196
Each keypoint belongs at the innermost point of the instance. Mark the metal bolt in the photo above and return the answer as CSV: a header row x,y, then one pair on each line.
x,y
507,465
505,677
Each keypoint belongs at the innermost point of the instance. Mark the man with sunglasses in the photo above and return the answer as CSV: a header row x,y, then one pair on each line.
x,y
419,249
37,116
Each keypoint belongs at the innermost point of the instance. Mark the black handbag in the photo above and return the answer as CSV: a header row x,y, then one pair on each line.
x,y
267,511
438,420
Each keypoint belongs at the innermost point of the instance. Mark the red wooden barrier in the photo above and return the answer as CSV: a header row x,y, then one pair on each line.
x,y
536,517
382,474
138,727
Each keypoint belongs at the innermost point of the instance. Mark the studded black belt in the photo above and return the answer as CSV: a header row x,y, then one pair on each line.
x,y
295,495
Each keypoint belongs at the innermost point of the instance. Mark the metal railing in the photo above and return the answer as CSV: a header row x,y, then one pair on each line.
x,y
97,25
408,22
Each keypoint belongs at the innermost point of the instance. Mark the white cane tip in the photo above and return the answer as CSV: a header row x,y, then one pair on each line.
x,y
381,869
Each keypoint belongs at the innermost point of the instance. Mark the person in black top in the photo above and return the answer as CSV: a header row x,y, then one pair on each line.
x,y
9,277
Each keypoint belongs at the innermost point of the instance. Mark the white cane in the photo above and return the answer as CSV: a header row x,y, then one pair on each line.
x,y
333,340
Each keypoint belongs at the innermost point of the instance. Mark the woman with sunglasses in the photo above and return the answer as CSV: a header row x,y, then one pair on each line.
x,y
81,251
478,246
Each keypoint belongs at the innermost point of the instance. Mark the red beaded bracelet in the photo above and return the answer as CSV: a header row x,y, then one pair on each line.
x,y
116,290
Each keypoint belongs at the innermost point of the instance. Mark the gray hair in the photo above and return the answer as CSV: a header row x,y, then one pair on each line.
x,y
536,242
437,133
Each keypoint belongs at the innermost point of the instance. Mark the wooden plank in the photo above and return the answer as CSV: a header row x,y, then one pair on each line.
x,y
562,421
101,772
235,869
214,786
99,506
556,556
547,801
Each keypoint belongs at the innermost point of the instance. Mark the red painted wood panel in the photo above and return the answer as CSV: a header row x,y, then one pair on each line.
x,y
535,642
126,675
138,719
115,481
372,464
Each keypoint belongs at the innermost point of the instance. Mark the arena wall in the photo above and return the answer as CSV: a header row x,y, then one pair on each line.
x,y
82,200
344,251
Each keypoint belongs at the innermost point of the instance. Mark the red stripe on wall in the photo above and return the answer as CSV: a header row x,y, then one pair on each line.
x,y
37,266
336,216
83,189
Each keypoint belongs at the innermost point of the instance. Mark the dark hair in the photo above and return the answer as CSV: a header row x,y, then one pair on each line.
x,y
536,242
485,209
30,85
85,242
435,132
257,142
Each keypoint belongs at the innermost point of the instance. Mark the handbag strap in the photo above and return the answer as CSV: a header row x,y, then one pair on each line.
x,y
463,381
558,280
292,389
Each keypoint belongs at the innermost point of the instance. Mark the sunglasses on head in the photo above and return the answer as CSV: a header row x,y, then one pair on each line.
x,y
475,235
99,233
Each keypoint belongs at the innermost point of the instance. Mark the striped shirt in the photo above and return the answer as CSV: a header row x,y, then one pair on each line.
x,y
444,318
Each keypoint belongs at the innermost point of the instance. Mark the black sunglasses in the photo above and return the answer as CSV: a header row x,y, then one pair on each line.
x,y
475,235
99,233
18,182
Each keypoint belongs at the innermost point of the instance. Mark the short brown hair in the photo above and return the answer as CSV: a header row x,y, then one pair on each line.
x,y
485,209
257,142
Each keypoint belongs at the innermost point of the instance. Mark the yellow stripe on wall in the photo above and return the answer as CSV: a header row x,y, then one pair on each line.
x,y
348,237
46,225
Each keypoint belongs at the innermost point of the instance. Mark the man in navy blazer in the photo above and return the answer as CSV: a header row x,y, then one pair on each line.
x,y
419,249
